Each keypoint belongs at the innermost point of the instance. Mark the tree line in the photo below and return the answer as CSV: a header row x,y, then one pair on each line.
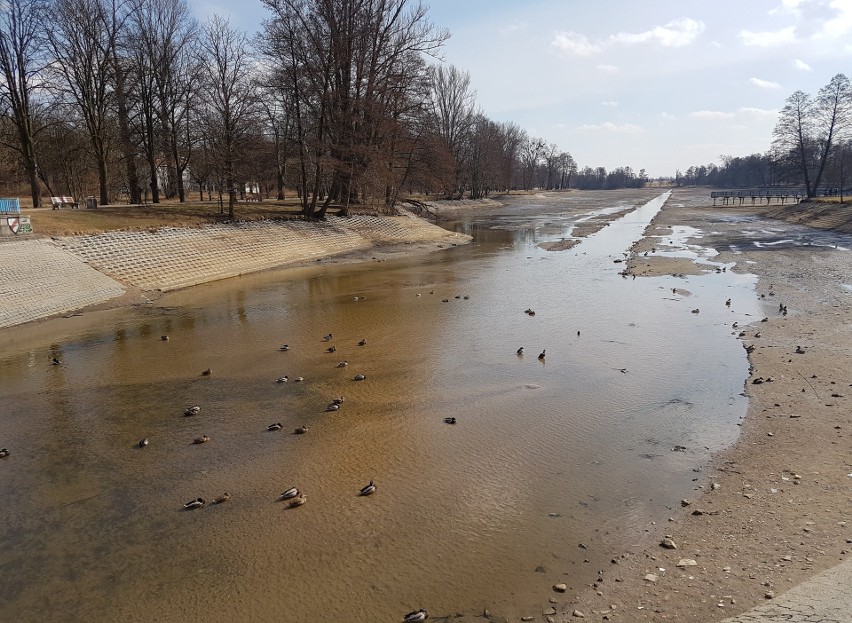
x,y
344,101
811,147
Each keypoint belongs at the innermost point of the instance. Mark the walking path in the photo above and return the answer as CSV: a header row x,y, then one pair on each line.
x,y
46,277
825,598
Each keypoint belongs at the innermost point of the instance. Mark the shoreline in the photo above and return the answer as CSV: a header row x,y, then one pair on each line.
x,y
773,510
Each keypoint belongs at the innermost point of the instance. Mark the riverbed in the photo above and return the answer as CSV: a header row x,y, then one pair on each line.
x,y
553,464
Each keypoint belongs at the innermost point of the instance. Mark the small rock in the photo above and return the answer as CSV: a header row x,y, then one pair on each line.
x,y
540,569
685,502
668,543
686,562
651,577
715,486
560,588
549,611
527,618
769,595
578,614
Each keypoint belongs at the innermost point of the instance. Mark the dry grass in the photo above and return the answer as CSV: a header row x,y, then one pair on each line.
x,y
67,222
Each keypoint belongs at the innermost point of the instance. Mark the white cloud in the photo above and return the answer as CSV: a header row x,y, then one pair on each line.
x,y
607,69
611,128
841,24
667,116
609,104
801,65
764,84
757,112
711,114
769,38
575,43
513,27
675,34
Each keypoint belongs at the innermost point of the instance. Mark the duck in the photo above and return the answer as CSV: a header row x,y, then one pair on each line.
x,y
143,442
282,379
193,410
196,503
449,420
728,302
532,313
359,377
445,300
207,372
362,342
222,498
290,493
298,379
273,427
541,356
466,297
4,453
415,616
298,501
202,439
331,349
301,430
326,338
369,489
338,401
520,351
165,338
284,347
342,364
332,407
56,362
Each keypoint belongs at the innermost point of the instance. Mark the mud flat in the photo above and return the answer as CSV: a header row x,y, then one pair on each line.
x,y
774,510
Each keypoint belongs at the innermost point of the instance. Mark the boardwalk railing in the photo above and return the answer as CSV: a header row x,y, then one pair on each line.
x,y
10,206
755,194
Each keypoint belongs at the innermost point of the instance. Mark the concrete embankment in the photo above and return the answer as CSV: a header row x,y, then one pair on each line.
x,y
41,278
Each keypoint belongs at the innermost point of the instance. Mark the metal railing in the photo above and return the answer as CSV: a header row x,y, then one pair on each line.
x,y
10,206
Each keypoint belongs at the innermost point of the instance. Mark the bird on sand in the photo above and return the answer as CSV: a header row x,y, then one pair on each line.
x,y
202,439
541,356
143,442
274,427
196,503
520,351
289,494
415,616
368,489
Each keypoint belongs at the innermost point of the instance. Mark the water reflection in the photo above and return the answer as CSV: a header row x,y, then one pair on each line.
x,y
542,456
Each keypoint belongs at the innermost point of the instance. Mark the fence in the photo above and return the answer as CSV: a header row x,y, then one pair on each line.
x,y
10,206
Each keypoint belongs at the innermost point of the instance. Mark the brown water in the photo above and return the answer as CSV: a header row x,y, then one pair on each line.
x,y
544,455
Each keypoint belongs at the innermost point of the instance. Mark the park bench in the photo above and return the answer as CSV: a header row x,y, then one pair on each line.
x,y
59,202
10,206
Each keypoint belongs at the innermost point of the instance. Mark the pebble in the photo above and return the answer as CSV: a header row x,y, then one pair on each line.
x,y
668,543
560,588
549,611
686,562
578,614
651,577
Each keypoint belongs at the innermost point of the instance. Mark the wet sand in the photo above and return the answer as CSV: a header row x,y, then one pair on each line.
x,y
773,510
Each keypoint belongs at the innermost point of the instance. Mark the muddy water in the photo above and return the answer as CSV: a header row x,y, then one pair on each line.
x,y
486,513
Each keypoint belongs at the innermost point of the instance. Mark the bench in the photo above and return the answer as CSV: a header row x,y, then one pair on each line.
x,y
10,206
59,202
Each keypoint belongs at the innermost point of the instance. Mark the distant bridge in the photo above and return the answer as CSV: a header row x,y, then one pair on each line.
x,y
779,194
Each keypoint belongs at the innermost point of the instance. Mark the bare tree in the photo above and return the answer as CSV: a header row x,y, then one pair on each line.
x,y
21,63
452,105
228,94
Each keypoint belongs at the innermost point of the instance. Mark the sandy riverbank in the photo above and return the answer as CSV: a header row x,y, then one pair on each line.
x,y
774,510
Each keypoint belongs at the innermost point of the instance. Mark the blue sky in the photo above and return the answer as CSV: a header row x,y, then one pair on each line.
x,y
657,84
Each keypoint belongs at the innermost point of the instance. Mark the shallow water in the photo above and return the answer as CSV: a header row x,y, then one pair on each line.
x,y
545,455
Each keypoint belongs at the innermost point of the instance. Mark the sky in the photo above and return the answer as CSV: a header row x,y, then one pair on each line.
x,y
659,85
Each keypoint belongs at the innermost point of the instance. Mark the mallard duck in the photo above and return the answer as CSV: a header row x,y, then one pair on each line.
x,y
528,311
143,442
342,364
728,302
222,498
415,616
331,349
165,338
196,503
449,420
531,313
207,372
520,351
282,379
362,343
326,338
359,377
284,347
276,426
202,439
338,401
541,356
298,379
290,493
56,361
298,501
369,489
445,300
301,430
332,407
193,410
3,453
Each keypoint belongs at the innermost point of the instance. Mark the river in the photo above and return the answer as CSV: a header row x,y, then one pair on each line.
x,y
552,468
